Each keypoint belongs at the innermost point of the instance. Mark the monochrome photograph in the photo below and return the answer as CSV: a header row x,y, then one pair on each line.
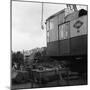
x,y
49,44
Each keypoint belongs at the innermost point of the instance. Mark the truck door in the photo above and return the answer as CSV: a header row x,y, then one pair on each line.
x,y
63,37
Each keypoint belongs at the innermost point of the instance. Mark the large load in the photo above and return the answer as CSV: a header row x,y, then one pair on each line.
x,y
67,37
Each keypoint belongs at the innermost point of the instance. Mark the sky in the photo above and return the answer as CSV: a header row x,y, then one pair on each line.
x,y
26,24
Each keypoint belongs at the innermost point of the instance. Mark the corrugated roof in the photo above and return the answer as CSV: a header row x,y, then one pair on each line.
x,y
63,10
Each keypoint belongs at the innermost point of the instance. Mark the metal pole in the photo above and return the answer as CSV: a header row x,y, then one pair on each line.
x,y
42,27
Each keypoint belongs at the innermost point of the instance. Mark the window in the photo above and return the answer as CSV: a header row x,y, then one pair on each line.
x,y
51,24
48,36
63,31
48,25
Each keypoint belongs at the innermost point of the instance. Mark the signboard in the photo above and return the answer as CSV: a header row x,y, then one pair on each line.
x,y
78,26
